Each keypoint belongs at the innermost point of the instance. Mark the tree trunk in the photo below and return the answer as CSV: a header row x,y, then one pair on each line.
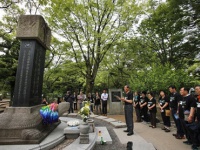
x,y
89,85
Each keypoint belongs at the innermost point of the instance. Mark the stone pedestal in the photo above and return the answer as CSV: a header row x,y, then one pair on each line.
x,y
84,138
91,125
72,132
23,125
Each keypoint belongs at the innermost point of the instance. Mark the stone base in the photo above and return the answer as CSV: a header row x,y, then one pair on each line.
x,y
23,125
91,125
72,132
84,138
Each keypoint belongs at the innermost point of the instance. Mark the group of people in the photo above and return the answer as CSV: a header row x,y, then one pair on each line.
x,y
182,106
98,102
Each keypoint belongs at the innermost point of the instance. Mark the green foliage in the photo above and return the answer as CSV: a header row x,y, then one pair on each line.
x,y
170,33
9,48
95,45
85,25
157,77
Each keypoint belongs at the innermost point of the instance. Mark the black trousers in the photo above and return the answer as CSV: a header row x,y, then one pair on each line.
x,y
194,132
166,119
75,106
153,118
129,117
137,110
143,112
186,130
71,107
104,107
177,122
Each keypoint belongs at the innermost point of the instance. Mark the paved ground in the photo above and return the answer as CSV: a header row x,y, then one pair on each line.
x,y
157,137
160,139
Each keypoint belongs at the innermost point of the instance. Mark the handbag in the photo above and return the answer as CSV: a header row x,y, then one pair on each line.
x,y
167,113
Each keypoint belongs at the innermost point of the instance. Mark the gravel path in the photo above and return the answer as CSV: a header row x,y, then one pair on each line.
x,y
116,145
63,144
98,123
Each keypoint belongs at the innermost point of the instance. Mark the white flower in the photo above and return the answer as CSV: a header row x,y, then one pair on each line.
x,y
73,123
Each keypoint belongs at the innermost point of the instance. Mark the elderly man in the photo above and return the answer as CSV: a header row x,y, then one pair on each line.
x,y
186,112
128,108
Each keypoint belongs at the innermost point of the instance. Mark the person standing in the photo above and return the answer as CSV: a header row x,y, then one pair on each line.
x,y
75,101
128,108
164,106
143,106
175,97
152,109
91,100
80,99
137,106
186,112
70,98
97,103
104,98
195,132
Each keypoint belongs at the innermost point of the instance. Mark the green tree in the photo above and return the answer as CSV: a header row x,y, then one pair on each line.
x,y
92,28
156,77
9,48
167,32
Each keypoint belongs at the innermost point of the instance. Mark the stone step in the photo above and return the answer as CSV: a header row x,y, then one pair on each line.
x,y
139,143
101,117
77,146
73,115
108,120
104,133
118,124
52,140
143,146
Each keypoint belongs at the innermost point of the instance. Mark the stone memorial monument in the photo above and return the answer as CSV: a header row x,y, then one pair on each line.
x,y
115,105
22,123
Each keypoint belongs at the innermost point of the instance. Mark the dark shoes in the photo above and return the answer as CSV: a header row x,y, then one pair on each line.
x,y
167,130
180,137
194,147
174,134
126,131
187,142
129,145
130,133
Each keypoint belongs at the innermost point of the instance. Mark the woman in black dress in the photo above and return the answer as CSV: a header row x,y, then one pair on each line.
x,y
152,109
164,106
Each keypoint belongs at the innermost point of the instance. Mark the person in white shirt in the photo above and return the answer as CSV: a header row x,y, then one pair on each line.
x,y
104,98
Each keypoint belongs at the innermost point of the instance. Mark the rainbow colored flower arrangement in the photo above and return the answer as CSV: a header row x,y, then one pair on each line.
x,y
49,113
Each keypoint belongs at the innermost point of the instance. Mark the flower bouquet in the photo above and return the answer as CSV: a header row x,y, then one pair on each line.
x,y
49,113
85,111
